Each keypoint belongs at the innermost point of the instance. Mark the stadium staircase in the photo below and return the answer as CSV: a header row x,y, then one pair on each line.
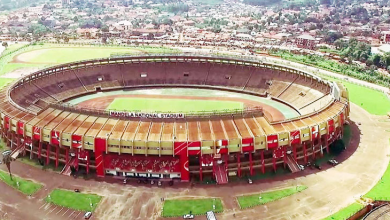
x,y
292,164
19,149
221,174
287,87
66,170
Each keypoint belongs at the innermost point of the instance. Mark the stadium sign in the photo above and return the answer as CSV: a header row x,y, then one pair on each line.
x,y
145,115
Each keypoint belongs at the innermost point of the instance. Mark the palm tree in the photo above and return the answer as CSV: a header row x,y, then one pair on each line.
x,y
7,161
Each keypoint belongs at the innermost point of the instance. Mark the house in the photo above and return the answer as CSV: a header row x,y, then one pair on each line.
x,y
385,37
306,41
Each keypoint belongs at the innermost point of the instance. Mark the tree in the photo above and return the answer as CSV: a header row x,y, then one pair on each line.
x,y
38,29
4,44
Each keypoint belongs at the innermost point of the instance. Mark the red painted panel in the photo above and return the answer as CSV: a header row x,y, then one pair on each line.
x,y
222,150
184,170
6,122
83,155
55,137
36,133
20,127
331,126
247,140
194,151
314,132
272,141
100,148
180,148
279,152
295,137
194,144
76,141
250,148
341,119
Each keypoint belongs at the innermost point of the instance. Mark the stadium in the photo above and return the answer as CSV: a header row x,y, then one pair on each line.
x,y
49,115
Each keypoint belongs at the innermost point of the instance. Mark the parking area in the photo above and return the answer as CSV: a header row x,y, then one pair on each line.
x,y
62,212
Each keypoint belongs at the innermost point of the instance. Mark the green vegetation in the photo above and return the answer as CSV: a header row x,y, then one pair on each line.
x,y
172,105
176,208
69,53
73,200
65,55
248,201
332,51
209,2
356,71
13,47
9,67
34,56
262,2
373,101
5,81
27,187
2,145
346,212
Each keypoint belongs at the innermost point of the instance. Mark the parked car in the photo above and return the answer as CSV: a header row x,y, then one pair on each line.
x,y
87,215
250,181
318,166
76,190
301,167
188,216
333,162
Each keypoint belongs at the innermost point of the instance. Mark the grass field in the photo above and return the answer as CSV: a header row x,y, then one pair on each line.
x,y
9,67
71,54
371,100
248,201
27,187
175,208
346,212
172,105
13,47
73,200
5,81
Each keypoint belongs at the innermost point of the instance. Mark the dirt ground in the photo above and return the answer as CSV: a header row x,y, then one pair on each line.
x,y
328,191
104,102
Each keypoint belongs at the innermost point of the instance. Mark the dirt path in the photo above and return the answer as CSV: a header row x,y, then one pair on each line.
x,y
104,102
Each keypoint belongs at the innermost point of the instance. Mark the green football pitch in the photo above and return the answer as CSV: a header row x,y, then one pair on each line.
x,y
72,54
172,105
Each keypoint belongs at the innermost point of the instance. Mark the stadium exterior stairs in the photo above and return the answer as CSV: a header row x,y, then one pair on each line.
x,y
19,149
221,174
66,170
292,164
